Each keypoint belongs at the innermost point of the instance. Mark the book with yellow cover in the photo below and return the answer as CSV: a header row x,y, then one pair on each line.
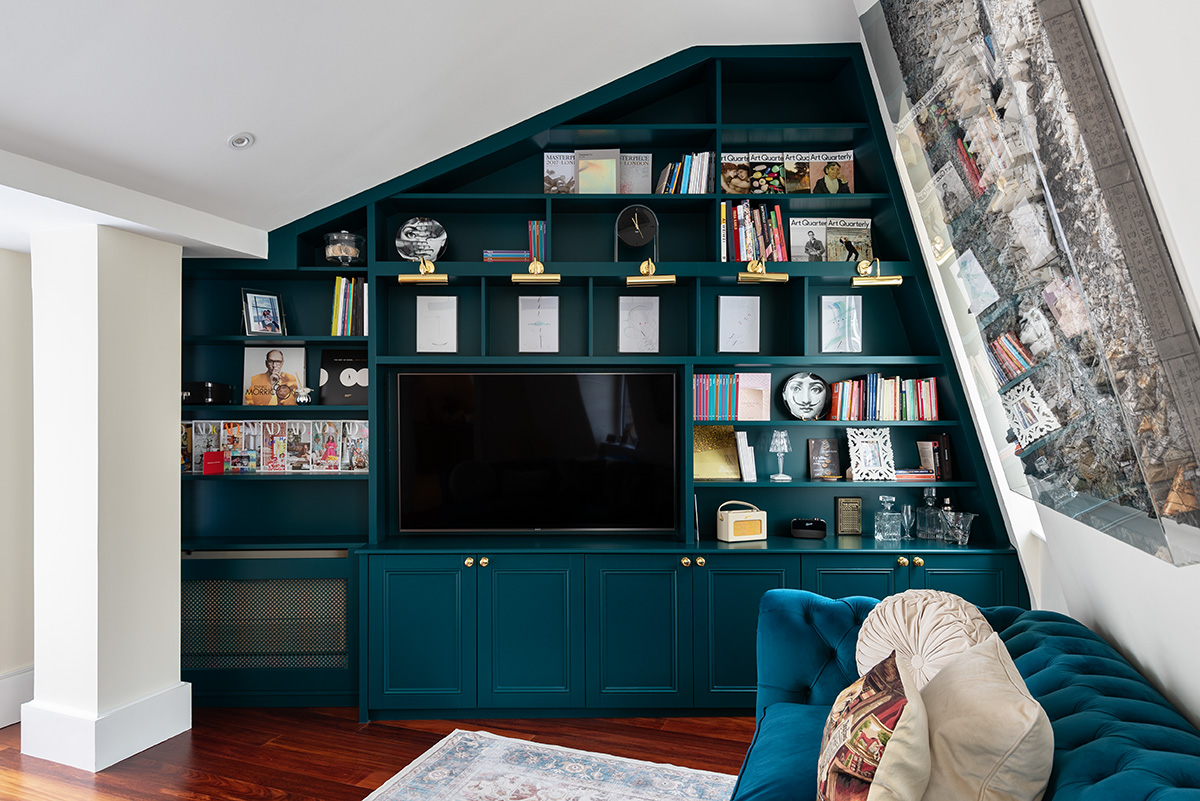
x,y
714,454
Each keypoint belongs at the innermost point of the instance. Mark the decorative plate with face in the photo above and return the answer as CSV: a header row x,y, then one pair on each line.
x,y
421,238
806,396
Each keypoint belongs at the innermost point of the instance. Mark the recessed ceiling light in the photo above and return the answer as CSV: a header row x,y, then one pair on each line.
x,y
241,141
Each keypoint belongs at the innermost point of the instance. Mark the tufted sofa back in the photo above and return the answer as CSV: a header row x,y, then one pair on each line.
x,y
1115,736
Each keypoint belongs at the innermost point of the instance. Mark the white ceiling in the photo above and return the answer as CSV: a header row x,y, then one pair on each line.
x,y
119,112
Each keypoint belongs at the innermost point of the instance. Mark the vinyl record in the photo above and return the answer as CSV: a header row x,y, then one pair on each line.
x,y
421,237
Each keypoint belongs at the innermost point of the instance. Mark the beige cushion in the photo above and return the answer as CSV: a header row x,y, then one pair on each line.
x,y
926,628
989,738
876,740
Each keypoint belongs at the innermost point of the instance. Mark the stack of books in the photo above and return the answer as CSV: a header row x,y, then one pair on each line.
x,y
752,231
349,307
733,396
1008,357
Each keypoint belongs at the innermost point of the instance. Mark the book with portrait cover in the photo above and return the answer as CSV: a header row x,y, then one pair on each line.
x,y
558,173
206,437
831,173
848,239
327,444
806,235
766,173
735,173
273,451
635,173
299,446
356,445
596,172
795,173
343,378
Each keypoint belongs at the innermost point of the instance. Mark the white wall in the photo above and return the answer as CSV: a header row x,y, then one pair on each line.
x,y
16,486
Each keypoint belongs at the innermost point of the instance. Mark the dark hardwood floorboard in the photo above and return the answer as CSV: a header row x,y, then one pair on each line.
x,y
327,755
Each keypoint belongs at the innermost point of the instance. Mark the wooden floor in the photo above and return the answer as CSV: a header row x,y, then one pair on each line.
x,y
327,755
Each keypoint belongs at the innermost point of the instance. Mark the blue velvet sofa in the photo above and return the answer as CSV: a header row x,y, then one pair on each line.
x,y
1115,737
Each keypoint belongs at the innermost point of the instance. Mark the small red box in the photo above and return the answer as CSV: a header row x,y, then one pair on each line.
x,y
214,463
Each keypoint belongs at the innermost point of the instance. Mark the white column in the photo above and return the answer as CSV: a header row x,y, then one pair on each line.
x,y
106,367
16,487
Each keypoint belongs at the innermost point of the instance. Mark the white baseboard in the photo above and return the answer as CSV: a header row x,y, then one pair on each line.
x,y
16,688
94,743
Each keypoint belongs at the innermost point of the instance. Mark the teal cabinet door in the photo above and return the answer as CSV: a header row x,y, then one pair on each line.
x,y
421,632
639,640
983,579
844,575
727,589
531,642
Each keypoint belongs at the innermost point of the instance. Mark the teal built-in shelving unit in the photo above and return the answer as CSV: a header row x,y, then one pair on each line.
x,y
544,622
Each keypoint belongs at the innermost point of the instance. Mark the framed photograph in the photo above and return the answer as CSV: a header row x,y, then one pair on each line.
x,y
274,376
841,324
1028,415
637,325
537,317
262,313
437,324
871,456
738,323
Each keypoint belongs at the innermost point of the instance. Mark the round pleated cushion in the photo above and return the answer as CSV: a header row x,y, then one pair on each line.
x,y
926,628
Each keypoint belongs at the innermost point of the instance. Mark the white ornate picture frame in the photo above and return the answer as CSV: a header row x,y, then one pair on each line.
x,y
871,457
1029,417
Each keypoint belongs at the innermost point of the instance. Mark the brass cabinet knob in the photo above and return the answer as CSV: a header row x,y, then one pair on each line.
x,y
918,561
902,561
483,561
699,561
686,562
470,562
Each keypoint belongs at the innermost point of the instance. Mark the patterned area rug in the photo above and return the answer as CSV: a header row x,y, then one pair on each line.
x,y
478,766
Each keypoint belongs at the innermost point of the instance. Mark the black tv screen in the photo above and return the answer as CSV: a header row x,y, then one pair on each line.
x,y
537,451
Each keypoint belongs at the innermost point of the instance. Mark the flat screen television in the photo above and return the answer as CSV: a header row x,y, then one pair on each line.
x,y
549,451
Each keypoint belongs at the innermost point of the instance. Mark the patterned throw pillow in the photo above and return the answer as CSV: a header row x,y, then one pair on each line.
x,y
876,736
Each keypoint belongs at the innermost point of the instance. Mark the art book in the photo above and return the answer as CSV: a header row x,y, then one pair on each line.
x,y
273,452
841,324
635,173
558,173
344,379
735,173
299,446
848,239
356,445
831,173
766,173
753,396
206,437
596,172
327,445
806,235
273,376
795,173
714,454
823,460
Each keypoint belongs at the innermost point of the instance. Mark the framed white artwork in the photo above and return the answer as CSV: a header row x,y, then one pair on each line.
x,y
537,318
738,323
841,324
1028,414
637,325
437,324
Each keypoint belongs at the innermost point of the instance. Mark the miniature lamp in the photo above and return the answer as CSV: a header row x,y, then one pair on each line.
x,y
780,445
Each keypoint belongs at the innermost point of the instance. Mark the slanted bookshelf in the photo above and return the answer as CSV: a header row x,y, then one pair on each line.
x,y
692,597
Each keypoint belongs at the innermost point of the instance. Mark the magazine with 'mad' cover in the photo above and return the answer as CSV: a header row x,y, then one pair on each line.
x,y
273,451
299,446
356,445
206,437
848,239
327,444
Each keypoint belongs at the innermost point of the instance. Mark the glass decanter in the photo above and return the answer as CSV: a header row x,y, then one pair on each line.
x,y
887,521
929,518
